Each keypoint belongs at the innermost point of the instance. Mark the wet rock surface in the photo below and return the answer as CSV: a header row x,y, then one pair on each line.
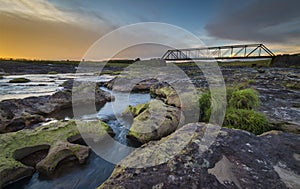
x,y
55,137
16,114
236,159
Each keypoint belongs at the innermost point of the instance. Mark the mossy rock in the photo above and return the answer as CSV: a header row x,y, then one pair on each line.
x,y
156,121
59,152
17,145
19,80
165,91
247,120
1,77
135,110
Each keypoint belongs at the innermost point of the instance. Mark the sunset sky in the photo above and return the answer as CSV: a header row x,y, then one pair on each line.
x,y
65,29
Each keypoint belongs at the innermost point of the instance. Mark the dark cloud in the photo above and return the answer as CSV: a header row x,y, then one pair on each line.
x,y
274,21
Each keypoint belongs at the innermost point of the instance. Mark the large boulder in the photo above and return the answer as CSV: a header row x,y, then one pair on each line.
x,y
235,159
55,137
153,120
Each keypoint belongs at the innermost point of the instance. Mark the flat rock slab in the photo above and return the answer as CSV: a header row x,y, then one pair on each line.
x,y
236,159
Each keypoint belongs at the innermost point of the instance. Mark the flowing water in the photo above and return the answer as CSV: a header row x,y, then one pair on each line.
x,y
97,169
40,84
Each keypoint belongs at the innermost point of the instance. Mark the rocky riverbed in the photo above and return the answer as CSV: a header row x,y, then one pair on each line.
x,y
235,159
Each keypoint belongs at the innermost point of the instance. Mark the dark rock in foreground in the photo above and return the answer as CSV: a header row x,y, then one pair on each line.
x,y
236,159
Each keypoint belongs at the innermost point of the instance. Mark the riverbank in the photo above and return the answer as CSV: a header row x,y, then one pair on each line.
x,y
17,67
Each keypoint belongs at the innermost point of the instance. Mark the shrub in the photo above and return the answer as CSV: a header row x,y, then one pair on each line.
x,y
244,99
248,120
52,72
19,80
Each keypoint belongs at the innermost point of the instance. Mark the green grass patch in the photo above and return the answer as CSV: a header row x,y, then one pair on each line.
x,y
19,80
248,120
254,63
52,72
251,81
240,63
109,72
240,113
293,85
244,99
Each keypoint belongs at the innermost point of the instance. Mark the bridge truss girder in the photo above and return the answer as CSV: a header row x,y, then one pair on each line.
x,y
221,52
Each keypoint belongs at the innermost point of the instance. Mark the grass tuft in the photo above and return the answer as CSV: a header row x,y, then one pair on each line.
x,y
244,99
248,120
240,113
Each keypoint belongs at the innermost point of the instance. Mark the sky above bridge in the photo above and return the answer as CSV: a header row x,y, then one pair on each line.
x,y
65,29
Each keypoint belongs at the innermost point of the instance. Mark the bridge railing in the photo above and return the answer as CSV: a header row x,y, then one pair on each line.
x,y
220,52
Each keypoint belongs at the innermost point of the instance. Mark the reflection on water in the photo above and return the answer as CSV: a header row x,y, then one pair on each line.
x,y
40,84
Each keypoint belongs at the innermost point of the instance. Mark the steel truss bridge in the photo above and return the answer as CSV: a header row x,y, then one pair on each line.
x,y
249,51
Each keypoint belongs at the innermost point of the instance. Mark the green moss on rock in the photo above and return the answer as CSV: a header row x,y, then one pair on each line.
x,y
163,92
19,144
156,121
19,80
136,110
